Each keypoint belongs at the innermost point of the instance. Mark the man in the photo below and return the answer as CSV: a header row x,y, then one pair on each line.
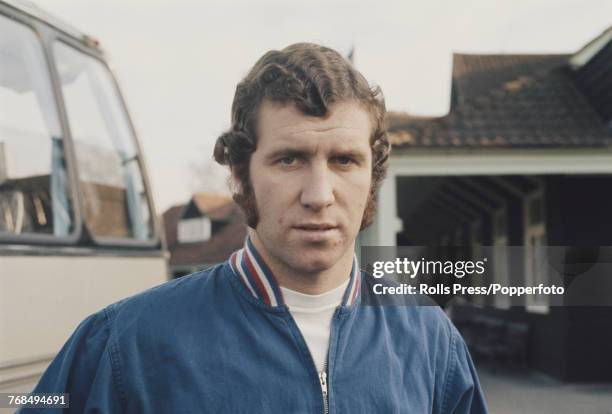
x,y
279,327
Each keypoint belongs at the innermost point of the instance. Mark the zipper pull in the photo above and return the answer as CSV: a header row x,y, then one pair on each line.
x,y
323,379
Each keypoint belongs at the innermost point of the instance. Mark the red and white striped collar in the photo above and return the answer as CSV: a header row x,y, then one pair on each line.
x,y
259,280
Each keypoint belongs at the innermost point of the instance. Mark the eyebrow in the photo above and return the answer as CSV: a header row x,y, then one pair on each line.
x,y
301,152
285,152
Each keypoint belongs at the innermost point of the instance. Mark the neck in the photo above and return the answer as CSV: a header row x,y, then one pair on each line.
x,y
308,282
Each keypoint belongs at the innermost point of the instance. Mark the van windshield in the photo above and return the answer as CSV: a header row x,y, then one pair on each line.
x,y
34,188
116,202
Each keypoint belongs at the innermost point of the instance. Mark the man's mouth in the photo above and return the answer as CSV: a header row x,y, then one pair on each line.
x,y
315,226
316,232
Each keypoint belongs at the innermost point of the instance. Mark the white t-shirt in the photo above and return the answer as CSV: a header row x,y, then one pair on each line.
x,y
313,315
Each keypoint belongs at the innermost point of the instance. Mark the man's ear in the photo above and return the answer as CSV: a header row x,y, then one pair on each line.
x,y
235,185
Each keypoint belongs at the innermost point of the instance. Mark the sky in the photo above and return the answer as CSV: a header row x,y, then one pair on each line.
x,y
178,62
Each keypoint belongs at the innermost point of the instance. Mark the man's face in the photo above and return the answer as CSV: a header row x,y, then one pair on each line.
x,y
311,177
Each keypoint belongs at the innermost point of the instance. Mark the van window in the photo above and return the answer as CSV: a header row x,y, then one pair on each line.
x,y
116,203
34,187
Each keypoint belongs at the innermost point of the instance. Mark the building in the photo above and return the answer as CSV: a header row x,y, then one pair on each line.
x,y
522,161
202,232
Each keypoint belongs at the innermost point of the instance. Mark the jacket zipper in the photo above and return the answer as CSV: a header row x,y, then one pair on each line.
x,y
323,380
323,374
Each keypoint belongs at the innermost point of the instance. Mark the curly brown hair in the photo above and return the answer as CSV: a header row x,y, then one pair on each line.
x,y
313,78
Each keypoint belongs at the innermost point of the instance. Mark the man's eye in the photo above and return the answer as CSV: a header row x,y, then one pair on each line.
x,y
344,160
288,161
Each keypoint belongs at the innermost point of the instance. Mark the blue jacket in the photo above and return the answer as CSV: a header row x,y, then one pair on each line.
x,y
222,341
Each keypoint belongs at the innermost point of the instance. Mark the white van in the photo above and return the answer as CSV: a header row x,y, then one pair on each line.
x,y
78,228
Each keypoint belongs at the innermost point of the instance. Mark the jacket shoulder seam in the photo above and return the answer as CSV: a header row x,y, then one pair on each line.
x,y
114,356
450,367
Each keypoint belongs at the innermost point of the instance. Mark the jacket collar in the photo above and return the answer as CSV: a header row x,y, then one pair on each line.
x,y
258,279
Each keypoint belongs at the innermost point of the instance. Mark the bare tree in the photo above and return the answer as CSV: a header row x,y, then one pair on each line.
x,y
209,177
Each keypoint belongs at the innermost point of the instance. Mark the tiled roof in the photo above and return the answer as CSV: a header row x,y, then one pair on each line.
x,y
215,206
475,75
218,248
507,101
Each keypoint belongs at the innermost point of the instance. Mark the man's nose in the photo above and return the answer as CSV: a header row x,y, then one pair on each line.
x,y
317,188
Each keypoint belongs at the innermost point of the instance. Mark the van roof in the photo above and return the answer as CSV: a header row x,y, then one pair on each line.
x,y
31,9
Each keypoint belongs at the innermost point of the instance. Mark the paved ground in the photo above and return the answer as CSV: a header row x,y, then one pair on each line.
x,y
531,393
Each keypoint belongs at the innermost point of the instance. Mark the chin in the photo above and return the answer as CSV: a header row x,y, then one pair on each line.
x,y
314,263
